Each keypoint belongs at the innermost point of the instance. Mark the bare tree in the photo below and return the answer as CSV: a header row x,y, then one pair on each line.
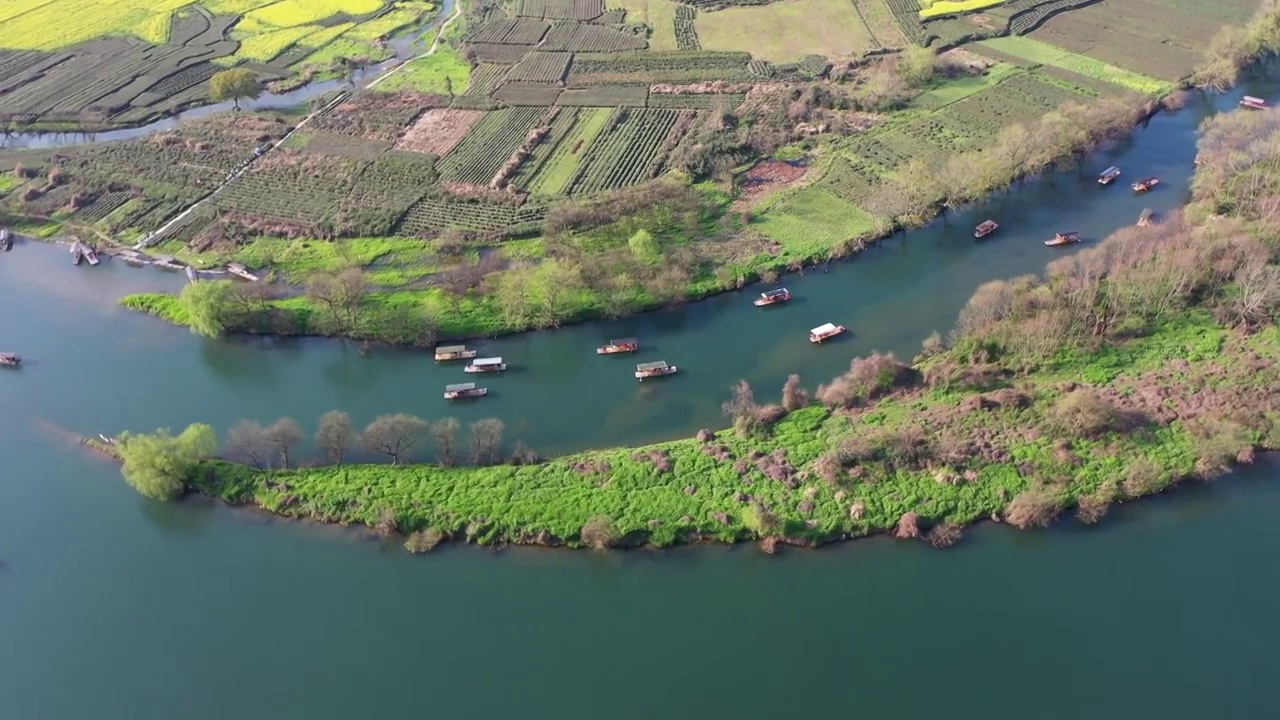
x,y
284,435
333,436
341,296
445,433
743,408
486,440
794,397
395,436
247,442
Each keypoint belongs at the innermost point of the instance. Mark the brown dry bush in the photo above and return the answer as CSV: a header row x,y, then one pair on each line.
x,y
599,533
794,397
908,526
1143,476
424,540
944,535
1032,507
1084,413
1218,444
908,446
874,376
1092,507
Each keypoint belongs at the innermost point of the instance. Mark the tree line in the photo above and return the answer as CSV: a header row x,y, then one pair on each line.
x,y
158,464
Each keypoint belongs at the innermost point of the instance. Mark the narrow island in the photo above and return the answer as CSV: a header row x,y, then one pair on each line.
x,y
1148,359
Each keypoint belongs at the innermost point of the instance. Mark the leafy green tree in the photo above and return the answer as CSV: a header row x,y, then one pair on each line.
x,y
209,307
156,465
645,247
235,85
917,65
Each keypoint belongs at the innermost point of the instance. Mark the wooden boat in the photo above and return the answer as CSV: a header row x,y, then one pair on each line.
x,y
1109,175
10,360
77,255
654,369
1253,103
6,240
1063,238
464,390
772,297
454,352
1148,217
168,263
1145,184
90,254
825,332
986,228
625,345
486,365
191,274
241,272
133,257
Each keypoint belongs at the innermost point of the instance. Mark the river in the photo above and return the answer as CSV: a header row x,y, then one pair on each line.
x,y
114,606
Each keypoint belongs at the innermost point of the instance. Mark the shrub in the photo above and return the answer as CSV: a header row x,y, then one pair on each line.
x,y
1142,477
794,397
944,535
599,533
908,526
1033,507
868,378
424,540
1085,413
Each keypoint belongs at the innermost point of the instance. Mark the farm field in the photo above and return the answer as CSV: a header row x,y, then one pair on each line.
x,y
786,31
1046,54
660,15
444,72
814,220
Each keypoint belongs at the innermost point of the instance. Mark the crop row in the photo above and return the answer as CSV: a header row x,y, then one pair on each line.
x,y
527,94
104,205
553,176
696,101
626,153
659,61
907,13
485,78
611,17
541,67
561,127
433,214
183,79
586,37
1025,19
396,180
607,96
581,10
686,33
518,31
489,144
499,54
850,180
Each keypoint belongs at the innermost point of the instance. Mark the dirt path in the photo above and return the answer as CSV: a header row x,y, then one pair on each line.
x,y
159,233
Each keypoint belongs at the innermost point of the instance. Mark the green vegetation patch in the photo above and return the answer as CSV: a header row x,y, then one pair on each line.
x,y
1046,54
443,72
812,222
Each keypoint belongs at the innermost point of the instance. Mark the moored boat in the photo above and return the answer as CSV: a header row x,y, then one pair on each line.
x,y
90,254
1145,184
772,297
454,352
133,257
10,360
486,365
191,274
241,272
6,240
625,345
985,228
825,331
1148,217
654,369
1063,238
1253,103
464,390
1109,175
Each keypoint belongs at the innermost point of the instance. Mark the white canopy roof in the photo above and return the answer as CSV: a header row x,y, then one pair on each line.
x,y
823,329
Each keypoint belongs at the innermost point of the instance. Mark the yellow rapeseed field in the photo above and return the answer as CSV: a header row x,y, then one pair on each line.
x,y
55,24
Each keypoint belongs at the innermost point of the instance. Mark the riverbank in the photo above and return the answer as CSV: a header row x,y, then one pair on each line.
x,y
1149,359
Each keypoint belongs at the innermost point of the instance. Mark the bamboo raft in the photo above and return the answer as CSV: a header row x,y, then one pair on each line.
x,y
10,360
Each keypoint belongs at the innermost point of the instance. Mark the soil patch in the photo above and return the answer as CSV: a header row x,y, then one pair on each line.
x,y
437,131
767,177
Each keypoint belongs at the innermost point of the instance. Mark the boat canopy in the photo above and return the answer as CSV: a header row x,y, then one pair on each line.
x,y
1111,171
1068,233
488,361
823,329
658,365
1253,100
774,293
625,341
451,348
460,387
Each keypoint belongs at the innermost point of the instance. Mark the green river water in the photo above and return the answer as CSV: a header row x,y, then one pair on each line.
x,y
112,606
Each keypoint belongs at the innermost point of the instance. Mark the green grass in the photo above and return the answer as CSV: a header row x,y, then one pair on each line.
x,y
811,222
441,72
554,176
1045,54
786,31
657,14
952,91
